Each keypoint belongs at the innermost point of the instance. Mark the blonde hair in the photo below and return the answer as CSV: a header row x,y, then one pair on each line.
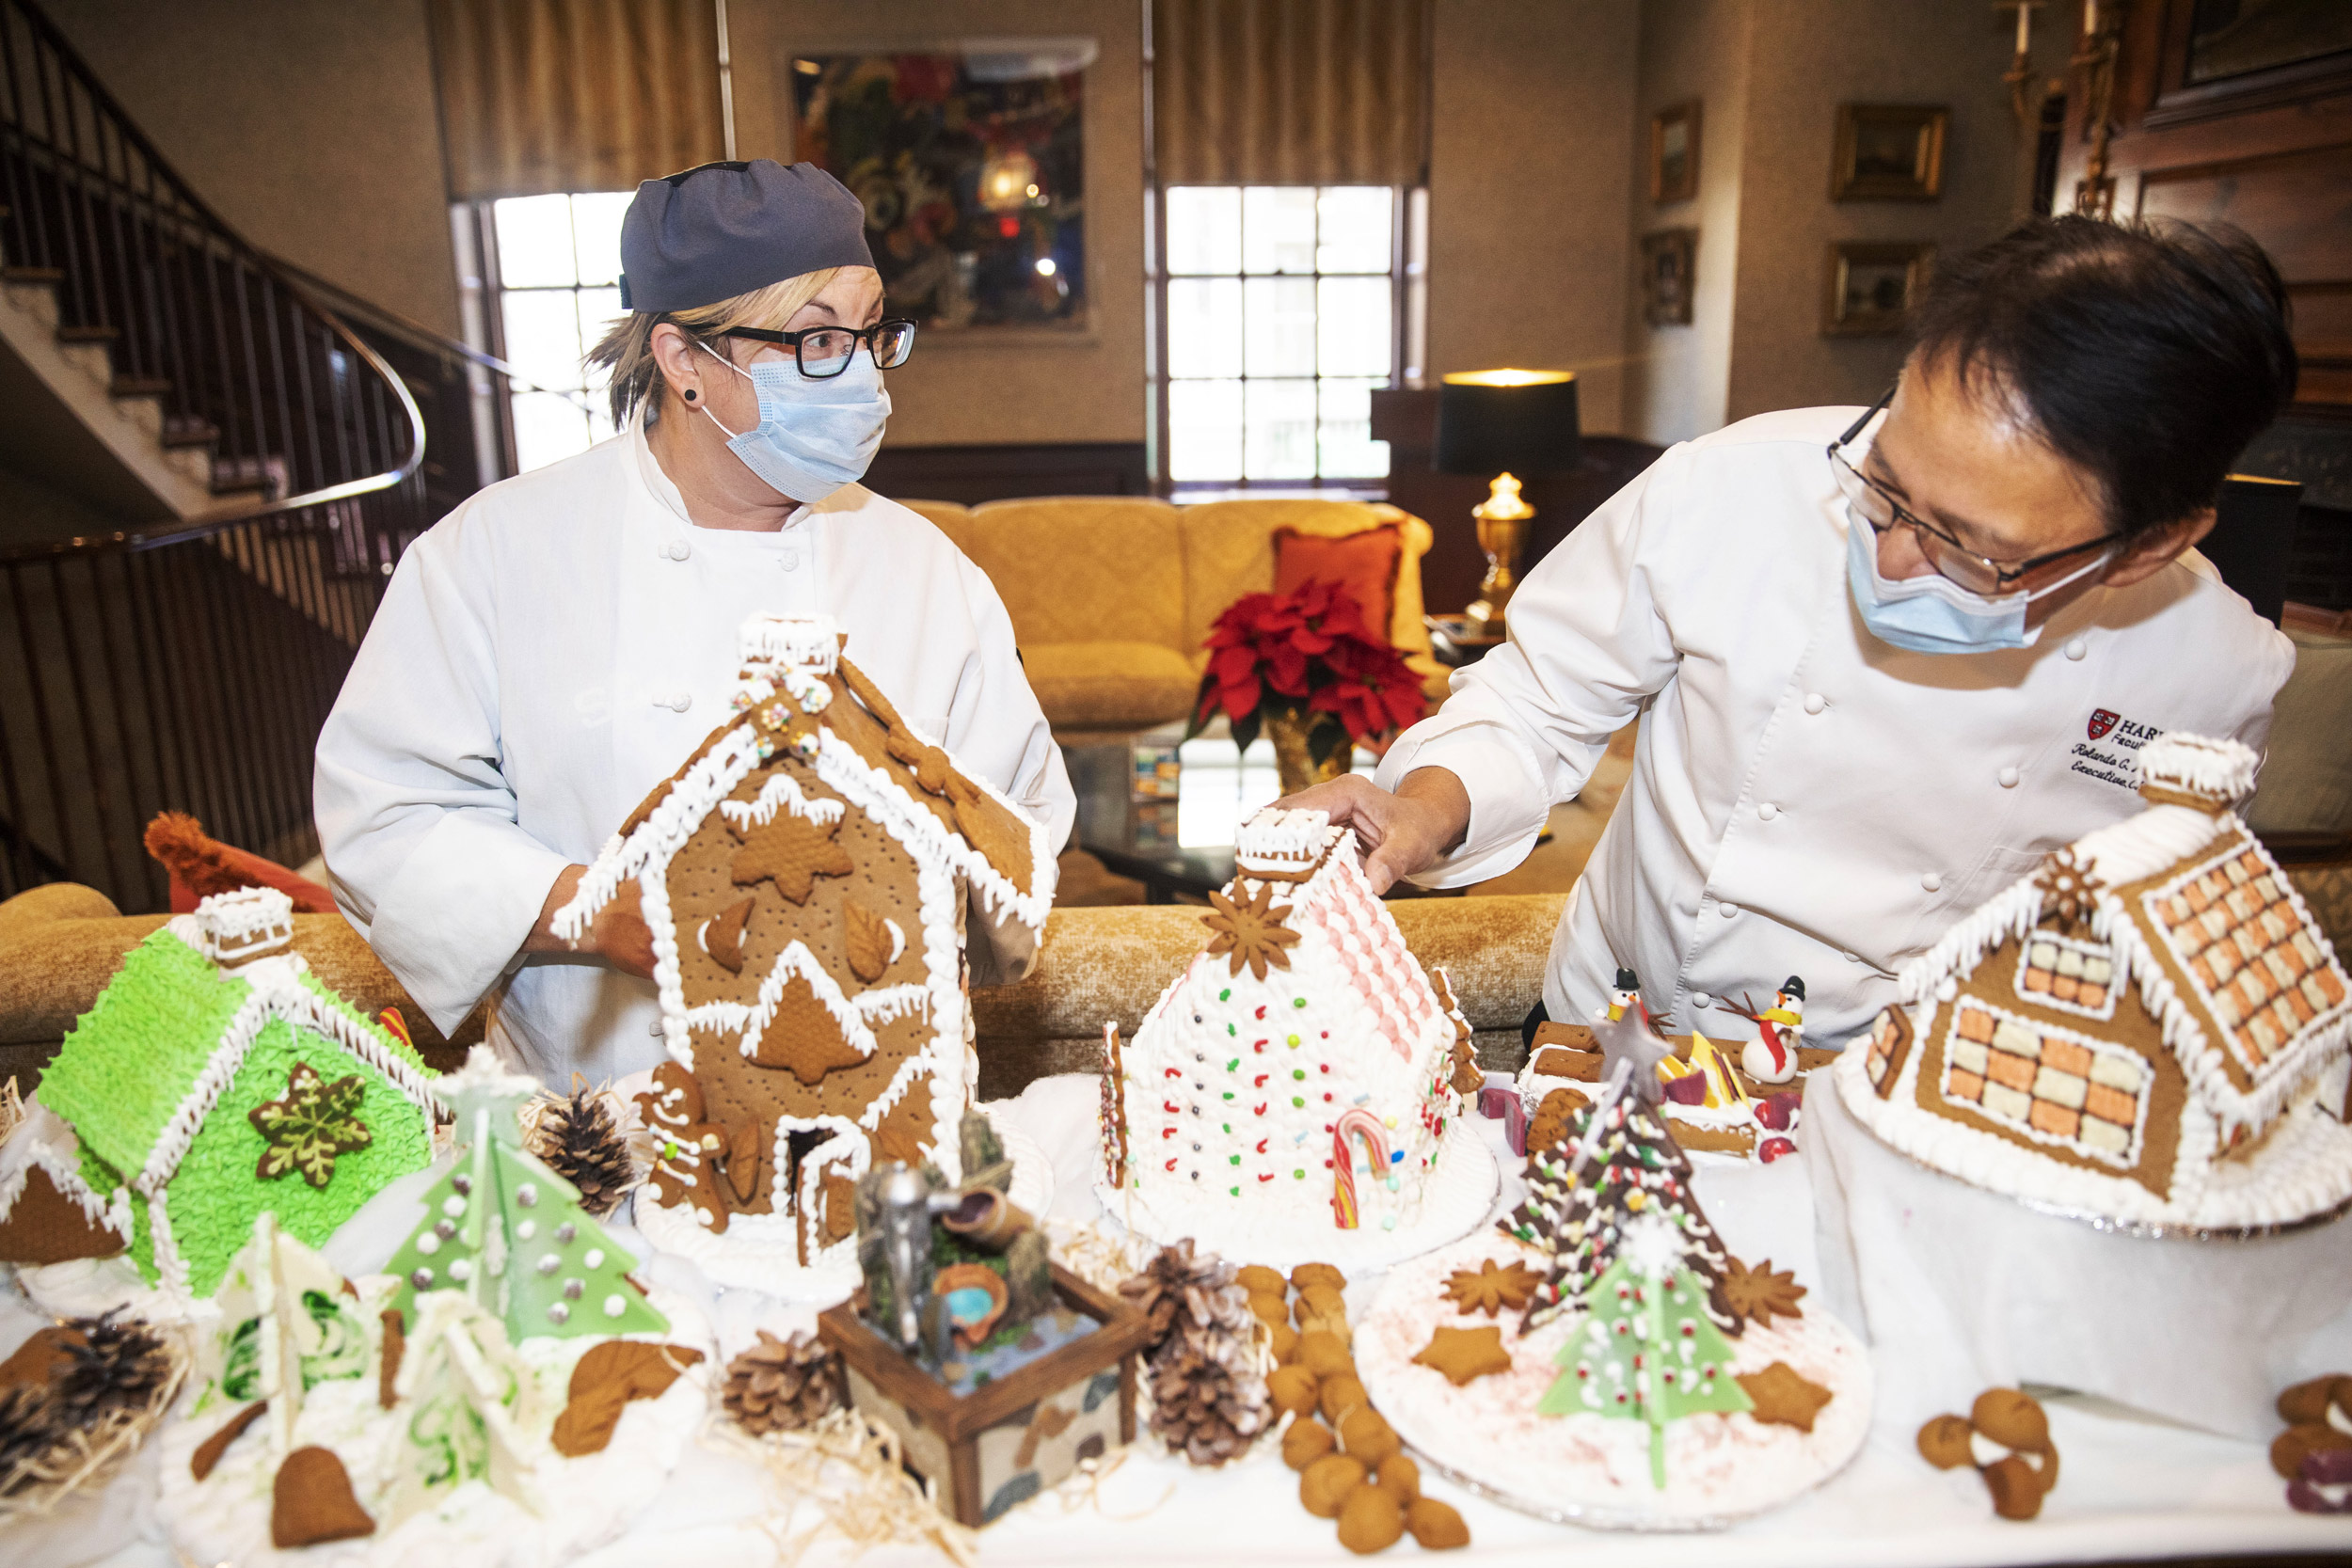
x,y
627,348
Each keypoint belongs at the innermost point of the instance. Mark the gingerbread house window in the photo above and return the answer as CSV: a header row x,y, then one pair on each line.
x,y
2233,926
2052,1083
2067,973
1890,1042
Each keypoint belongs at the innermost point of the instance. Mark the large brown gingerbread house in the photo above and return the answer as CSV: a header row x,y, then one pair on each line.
x,y
805,877
2151,1029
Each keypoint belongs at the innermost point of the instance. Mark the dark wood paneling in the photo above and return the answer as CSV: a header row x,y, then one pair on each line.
x,y
975,474
1407,418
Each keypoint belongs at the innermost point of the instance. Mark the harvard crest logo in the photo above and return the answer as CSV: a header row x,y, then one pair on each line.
x,y
2102,721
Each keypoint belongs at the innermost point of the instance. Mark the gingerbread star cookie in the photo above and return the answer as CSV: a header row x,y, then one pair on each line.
x,y
792,852
1758,1294
1465,1355
1491,1290
1784,1396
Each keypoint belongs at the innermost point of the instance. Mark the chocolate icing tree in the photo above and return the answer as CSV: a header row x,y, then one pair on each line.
x,y
510,1232
1619,1163
1646,1350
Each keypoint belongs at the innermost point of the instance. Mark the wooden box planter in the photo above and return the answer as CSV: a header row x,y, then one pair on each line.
x,y
1010,1438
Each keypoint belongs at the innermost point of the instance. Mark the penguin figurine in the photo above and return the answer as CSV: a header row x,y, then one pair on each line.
x,y
1772,1057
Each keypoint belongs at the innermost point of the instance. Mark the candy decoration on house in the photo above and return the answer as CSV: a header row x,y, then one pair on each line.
x,y
1305,1007
511,1235
1357,1126
1647,1349
1111,1116
2151,1028
1772,1057
215,1079
805,877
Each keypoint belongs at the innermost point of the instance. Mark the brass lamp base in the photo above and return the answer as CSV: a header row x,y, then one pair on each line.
x,y
1502,519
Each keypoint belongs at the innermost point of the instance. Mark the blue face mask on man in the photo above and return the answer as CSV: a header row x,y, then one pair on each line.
x,y
814,434
1930,613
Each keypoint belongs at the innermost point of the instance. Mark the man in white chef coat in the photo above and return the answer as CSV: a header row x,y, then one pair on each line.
x,y
1882,663
561,643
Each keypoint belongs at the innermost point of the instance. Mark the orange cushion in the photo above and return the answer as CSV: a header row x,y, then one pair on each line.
x,y
201,866
1362,564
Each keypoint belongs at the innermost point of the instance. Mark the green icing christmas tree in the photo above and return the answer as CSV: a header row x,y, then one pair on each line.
x,y
510,1232
1646,1350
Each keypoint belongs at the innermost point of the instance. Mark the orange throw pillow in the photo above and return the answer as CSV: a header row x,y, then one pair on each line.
x,y
202,867
1364,565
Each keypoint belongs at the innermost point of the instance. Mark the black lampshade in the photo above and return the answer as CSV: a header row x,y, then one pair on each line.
x,y
1507,421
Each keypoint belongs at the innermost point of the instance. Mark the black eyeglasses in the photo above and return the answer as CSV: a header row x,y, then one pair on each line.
x,y
1978,573
823,351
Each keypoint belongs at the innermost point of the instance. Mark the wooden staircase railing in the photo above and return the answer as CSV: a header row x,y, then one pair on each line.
x,y
188,665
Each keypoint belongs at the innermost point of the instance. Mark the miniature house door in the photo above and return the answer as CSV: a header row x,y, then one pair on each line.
x,y
824,1182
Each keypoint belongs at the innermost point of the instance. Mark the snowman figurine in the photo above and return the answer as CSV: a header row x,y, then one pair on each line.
x,y
1772,1057
1623,997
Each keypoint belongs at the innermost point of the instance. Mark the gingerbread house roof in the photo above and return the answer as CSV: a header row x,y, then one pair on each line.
x,y
806,716
2193,913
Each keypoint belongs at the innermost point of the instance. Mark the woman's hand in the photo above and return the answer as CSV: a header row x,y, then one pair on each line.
x,y
617,937
1426,818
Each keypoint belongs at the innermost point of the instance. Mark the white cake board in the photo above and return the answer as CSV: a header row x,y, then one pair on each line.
x,y
771,1265
1967,1289
1586,1469
1459,1193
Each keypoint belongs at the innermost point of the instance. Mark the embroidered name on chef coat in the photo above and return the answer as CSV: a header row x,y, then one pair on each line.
x,y
2111,750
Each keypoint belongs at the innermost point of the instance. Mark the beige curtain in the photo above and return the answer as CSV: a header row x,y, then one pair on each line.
x,y
540,96
1290,92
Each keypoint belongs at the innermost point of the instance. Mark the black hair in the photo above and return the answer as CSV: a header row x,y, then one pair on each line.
x,y
2147,353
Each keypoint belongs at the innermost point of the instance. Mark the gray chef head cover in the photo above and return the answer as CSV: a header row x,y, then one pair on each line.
x,y
722,229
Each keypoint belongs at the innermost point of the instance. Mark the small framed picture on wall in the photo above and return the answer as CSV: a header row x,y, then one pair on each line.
x,y
1888,153
1668,258
1872,285
1674,152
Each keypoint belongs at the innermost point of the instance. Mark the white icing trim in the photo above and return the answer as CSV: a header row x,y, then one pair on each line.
x,y
2221,772
1278,840
811,643
855,1015
42,1140
244,924
783,791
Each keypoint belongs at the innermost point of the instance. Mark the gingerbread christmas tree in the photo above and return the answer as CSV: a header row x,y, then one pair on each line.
x,y
1617,1165
511,1233
1646,1350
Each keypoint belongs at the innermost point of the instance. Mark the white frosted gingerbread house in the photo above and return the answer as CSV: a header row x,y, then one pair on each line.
x,y
2149,1029
1302,1068
805,877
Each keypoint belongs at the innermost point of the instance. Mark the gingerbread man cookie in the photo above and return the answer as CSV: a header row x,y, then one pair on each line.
x,y
686,1148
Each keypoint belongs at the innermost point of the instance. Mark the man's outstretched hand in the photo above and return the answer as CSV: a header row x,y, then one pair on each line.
x,y
1402,834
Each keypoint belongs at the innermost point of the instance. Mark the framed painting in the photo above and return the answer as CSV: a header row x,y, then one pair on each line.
x,y
1872,285
1888,153
1668,260
1674,152
970,159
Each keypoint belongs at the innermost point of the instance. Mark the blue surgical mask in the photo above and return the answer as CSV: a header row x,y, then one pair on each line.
x,y
1932,613
814,436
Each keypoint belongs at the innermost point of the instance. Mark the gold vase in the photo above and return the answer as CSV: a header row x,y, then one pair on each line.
x,y
1293,763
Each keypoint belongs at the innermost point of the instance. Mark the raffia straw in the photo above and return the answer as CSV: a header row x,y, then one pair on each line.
x,y
882,1505
1097,1256
87,1454
11,1109
1083,1489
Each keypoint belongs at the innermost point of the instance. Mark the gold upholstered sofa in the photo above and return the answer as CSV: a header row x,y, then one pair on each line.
x,y
1110,595
60,944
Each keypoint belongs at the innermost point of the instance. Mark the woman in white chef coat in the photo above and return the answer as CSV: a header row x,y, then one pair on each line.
x,y
1883,663
560,644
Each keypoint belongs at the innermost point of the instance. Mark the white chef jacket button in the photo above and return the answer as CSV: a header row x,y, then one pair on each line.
x,y
2076,648
1729,909
677,702
791,560
1932,882
677,549
1814,701
1852,957
2008,777
1766,812
1700,999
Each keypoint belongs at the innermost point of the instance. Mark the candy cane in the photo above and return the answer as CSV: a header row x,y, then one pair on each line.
x,y
1367,1127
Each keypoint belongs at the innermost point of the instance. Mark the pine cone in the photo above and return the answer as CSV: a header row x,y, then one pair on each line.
x,y
1207,1401
589,1138
123,1365
783,1385
1177,1287
27,1431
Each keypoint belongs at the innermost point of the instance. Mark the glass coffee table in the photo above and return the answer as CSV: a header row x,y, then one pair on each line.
x,y
1184,842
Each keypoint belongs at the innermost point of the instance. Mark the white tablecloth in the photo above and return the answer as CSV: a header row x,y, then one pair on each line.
x,y
2131,1486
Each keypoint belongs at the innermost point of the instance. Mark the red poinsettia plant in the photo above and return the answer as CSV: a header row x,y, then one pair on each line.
x,y
1309,654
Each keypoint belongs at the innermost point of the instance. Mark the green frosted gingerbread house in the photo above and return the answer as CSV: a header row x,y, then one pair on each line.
x,y
217,1078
